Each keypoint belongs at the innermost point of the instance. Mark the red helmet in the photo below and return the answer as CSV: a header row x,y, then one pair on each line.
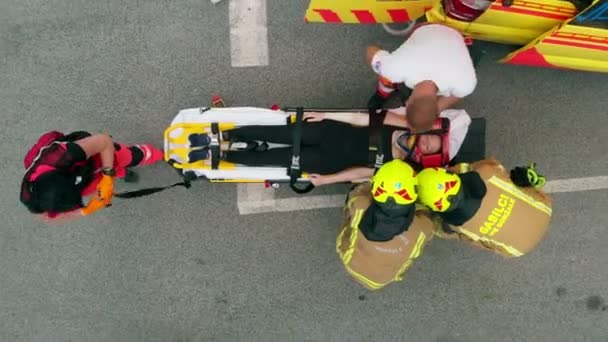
x,y
441,128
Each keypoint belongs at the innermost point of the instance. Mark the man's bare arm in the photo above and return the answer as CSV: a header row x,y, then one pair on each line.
x,y
357,119
362,119
353,118
396,120
371,52
447,102
349,175
99,143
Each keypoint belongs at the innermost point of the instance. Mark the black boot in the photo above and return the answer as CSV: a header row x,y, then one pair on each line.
x,y
198,155
131,177
476,54
376,101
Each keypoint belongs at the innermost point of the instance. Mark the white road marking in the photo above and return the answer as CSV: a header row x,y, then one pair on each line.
x,y
254,198
248,33
577,184
254,192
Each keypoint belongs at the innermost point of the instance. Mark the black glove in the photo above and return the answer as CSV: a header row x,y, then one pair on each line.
x,y
527,176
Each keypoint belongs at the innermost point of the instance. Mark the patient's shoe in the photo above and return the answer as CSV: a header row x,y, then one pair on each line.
x,y
199,140
198,155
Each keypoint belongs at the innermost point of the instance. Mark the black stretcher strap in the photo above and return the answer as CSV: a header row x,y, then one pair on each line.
x,y
149,191
294,170
376,151
215,149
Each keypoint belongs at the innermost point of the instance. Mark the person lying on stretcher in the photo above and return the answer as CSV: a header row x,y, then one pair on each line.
x,y
335,145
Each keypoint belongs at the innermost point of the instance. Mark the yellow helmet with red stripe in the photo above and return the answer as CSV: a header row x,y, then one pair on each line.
x,y
395,179
437,187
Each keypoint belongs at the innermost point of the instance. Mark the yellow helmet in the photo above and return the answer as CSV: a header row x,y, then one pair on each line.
x,y
395,179
437,187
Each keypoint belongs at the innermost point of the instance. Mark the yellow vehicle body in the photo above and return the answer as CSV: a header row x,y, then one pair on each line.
x,y
552,32
580,43
366,11
517,24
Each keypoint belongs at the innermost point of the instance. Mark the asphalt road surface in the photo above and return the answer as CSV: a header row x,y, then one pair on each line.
x,y
184,265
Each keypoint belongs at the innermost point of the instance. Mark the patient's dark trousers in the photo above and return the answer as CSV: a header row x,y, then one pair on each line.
x,y
326,147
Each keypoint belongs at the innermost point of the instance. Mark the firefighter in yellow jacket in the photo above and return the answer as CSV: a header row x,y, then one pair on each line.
x,y
381,232
505,213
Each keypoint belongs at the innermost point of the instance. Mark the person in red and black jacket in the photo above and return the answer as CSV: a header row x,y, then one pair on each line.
x,y
61,169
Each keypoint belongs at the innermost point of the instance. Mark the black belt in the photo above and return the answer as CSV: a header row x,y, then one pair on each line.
x,y
294,170
376,150
215,147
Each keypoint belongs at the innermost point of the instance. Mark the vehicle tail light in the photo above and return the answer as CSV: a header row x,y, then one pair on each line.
x,y
465,10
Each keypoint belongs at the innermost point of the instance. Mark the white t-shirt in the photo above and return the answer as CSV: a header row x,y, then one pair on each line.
x,y
433,52
459,126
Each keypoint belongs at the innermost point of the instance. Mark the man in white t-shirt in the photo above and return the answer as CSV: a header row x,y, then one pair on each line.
x,y
435,63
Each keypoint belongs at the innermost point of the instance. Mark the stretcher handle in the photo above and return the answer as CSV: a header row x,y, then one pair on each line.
x,y
174,163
